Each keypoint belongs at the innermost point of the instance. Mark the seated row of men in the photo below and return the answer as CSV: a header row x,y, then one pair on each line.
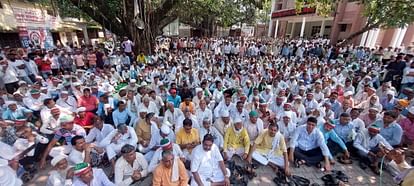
x,y
308,144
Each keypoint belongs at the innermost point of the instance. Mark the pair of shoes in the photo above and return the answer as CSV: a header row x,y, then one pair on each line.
x,y
340,175
330,180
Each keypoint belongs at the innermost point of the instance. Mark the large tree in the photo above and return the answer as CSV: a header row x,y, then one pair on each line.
x,y
378,13
206,15
118,15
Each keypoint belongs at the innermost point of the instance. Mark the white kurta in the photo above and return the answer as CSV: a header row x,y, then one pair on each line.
x,y
124,170
96,136
56,179
113,148
206,164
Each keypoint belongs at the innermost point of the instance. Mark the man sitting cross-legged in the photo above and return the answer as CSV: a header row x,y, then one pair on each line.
x,y
131,168
207,165
269,148
308,146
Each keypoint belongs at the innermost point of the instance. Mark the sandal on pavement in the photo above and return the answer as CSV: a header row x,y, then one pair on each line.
x,y
344,161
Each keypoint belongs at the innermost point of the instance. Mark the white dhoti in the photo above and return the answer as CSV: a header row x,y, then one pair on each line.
x,y
217,176
113,149
232,151
264,159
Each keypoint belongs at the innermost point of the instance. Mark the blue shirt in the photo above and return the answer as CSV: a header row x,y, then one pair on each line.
x,y
344,131
393,133
18,113
333,136
176,100
306,141
335,107
122,117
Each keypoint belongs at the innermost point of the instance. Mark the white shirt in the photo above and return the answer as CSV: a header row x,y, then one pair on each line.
x,y
76,157
50,126
96,135
34,104
172,117
32,67
20,72
218,138
99,179
288,130
70,103
152,107
254,129
56,179
9,75
406,78
200,115
124,170
128,138
157,157
156,139
127,45
206,163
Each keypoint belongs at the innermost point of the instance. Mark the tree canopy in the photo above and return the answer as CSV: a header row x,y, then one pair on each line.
x,y
379,13
118,15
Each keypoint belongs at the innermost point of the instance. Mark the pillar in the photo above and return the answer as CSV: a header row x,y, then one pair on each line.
x,y
292,30
363,39
401,36
395,37
276,28
321,32
374,38
269,30
85,35
302,29
369,38
272,9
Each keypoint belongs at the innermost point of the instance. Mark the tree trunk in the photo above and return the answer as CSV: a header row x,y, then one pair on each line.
x,y
122,22
356,34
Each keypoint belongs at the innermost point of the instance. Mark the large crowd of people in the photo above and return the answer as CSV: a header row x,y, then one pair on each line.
x,y
177,116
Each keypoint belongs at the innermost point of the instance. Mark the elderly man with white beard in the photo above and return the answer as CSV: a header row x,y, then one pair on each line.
x,y
62,173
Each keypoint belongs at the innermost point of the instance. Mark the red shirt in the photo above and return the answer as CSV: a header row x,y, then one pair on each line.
x,y
89,103
86,121
43,65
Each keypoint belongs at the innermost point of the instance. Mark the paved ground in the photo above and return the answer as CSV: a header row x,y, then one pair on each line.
x,y
358,177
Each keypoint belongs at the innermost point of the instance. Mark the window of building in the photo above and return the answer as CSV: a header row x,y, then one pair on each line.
x,y
315,30
279,6
342,27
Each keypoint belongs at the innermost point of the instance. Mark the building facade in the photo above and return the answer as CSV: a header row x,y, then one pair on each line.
x,y
23,23
347,19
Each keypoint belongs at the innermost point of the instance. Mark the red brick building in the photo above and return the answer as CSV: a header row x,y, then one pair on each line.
x,y
347,19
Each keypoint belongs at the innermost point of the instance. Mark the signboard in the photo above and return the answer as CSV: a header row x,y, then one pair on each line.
x,y
34,17
28,15
24,36
36,36
292,12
